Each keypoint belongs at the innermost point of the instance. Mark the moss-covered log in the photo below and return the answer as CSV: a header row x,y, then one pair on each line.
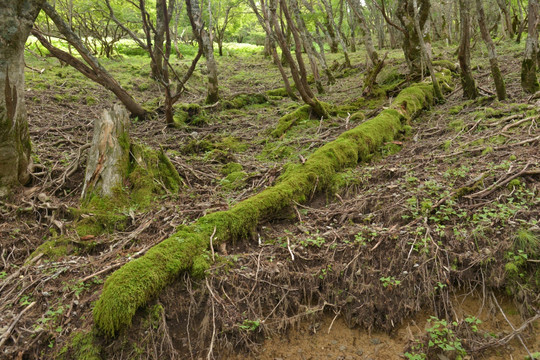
x,y
137,282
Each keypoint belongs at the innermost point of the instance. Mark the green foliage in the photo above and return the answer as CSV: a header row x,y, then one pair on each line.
x,y
250,325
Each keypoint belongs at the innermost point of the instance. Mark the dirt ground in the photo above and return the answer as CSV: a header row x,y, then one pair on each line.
x,y
441,225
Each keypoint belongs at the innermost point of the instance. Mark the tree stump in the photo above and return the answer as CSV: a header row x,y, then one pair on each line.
x,y
108,159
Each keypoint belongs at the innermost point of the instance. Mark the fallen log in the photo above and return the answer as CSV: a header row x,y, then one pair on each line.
x,y
133,285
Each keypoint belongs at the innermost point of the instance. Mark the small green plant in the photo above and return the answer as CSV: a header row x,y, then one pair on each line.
x,y
473,322
250,325
3,275
389,281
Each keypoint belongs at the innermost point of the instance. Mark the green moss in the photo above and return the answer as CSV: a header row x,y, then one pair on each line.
x,y
134,284
279,92
192,114
287,121
358,116
243,100
234,180
82,346
148,173
53,249
195,146
230,143
457,125
230,168
447,64
455,109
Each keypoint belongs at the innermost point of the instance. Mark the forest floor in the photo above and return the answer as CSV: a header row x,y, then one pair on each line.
x,y
431,248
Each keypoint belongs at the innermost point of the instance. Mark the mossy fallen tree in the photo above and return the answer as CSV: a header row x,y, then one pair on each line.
x,y
137,282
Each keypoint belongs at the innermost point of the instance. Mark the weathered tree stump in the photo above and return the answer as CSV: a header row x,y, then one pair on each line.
x,y
108,159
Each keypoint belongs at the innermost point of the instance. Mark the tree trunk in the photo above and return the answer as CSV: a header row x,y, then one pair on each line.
x,y
95,71
264,21
16,21
426,55
507,17
333,25
306,41
411,42
203,37
492,53
531,59
464,55
108,158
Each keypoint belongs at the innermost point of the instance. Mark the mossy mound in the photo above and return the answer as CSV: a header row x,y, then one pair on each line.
x,y
137,282
287,121
82,346
191,114
149,174
234,180
280,92
243,100
53,249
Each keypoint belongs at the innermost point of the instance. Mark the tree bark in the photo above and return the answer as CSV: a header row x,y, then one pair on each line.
x,y
507,18
203,37
492,52
264,20
531,59
464,55
108,158
426,55
330,15
411,42
16,21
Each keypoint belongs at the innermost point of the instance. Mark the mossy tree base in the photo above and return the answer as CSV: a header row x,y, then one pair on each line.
x,y
133,285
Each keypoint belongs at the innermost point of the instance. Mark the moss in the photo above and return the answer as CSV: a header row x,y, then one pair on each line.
x,y
279,92
197,146
148,174
53,249
134,284
192,114
243,100
234,180
457,125
447,64
358,116
287,121
200,265
230,143
230,168
388,75
82,346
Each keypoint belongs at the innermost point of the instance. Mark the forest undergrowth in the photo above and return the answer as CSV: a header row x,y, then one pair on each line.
x,y
448,211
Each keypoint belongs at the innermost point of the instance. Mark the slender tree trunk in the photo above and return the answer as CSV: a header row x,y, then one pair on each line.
x,y
492,52
333,25
203,37
159,38
507,18
411,38
264,21
464,55
306,41
16,20
426,55
531,59
94,69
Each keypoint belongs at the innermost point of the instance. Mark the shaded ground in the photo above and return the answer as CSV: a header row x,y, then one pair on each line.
x,y
451,210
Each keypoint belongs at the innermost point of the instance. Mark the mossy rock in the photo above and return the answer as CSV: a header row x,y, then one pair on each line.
x,y
243,100
280,92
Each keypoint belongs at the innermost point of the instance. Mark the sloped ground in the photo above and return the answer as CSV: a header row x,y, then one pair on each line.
x,y
452,215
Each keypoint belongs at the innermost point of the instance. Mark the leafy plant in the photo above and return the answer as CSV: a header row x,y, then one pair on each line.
x,y
250,325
